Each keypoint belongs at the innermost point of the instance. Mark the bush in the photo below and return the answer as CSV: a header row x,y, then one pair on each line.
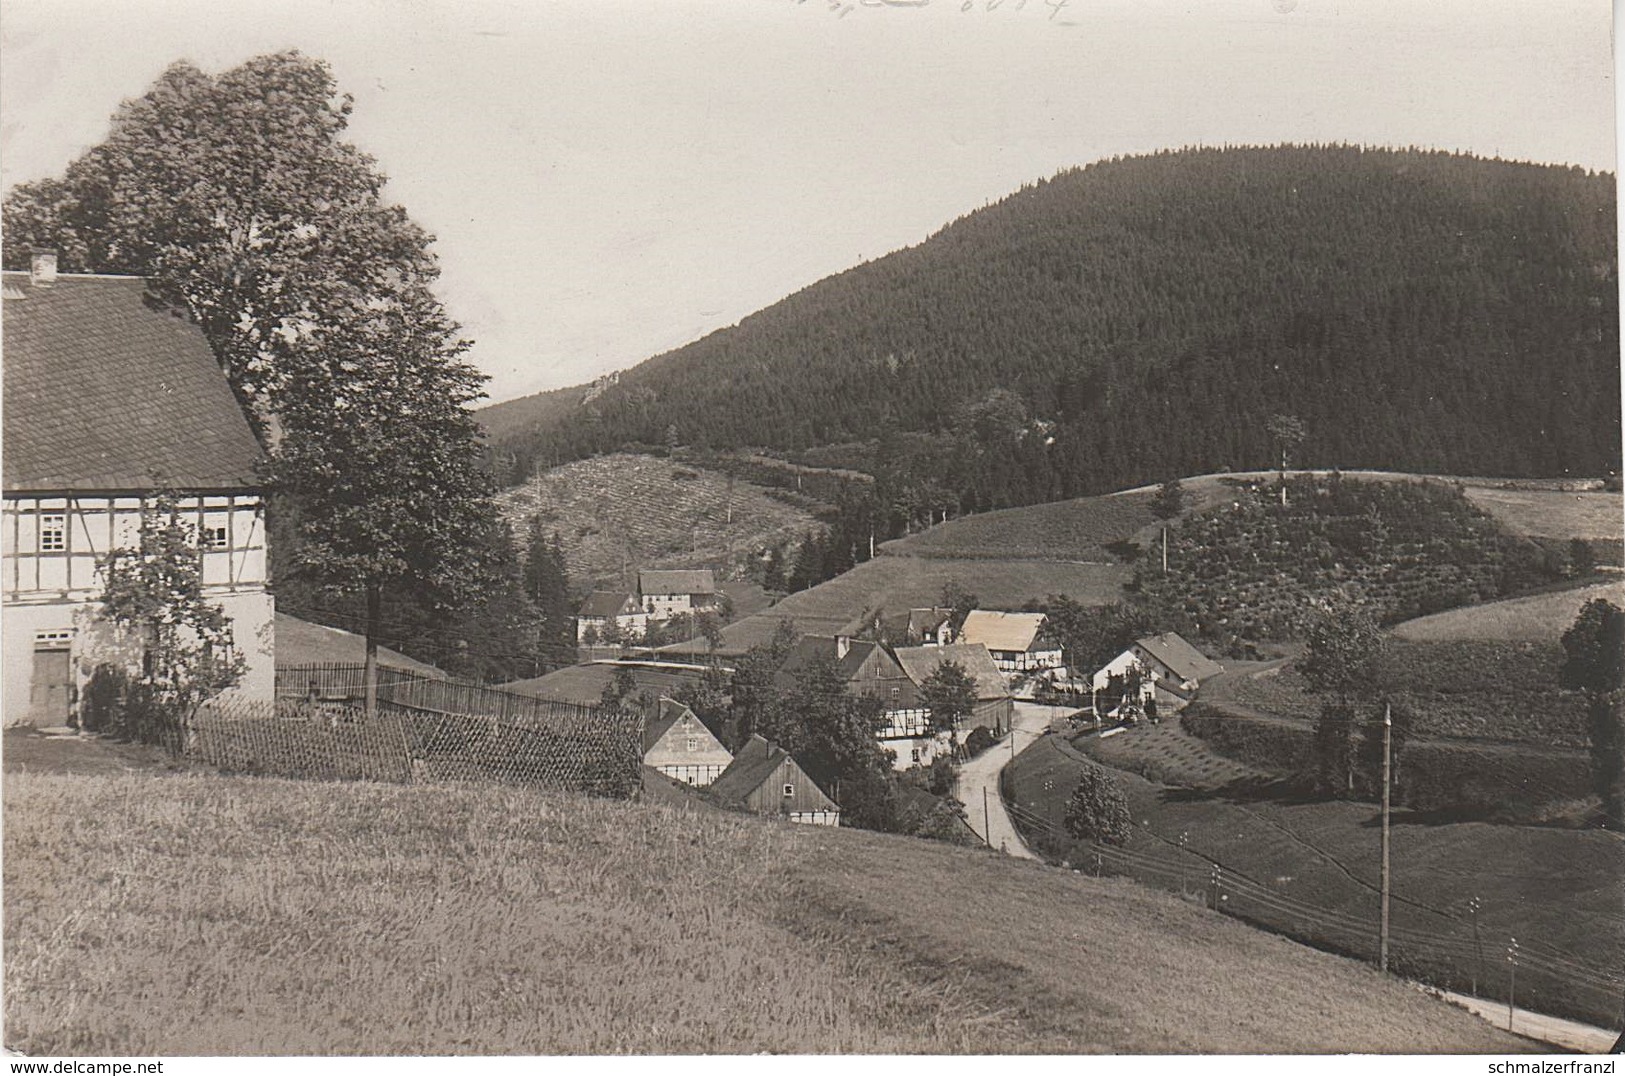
x,y
979,740
1098,810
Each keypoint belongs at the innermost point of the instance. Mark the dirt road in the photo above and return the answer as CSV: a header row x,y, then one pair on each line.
x,y
978,784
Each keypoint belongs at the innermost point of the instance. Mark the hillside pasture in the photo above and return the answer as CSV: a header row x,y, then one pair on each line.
x,y
1536,618
223,916
1479,690
1556,890
893,583
1553,513
1078,529
626,511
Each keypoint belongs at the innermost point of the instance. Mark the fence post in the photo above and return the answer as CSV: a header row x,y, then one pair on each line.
x,y
1215,880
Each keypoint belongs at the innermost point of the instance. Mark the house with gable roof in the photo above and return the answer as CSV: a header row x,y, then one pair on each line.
x,y
677,743
606,609
109,398
1170,670
669,593
764,779
869,670
994,704
1017,641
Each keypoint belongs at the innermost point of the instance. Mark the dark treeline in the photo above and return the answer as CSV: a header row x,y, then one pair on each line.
x,y
1144,317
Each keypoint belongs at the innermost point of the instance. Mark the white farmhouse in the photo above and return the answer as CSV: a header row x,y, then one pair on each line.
x,y
666,594
1171,670
108,399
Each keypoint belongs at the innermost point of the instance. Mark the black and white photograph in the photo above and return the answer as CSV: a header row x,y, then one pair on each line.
x,y
637,529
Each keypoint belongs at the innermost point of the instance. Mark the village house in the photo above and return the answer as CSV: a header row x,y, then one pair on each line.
x,y
608,612
109,400
870,671
1170,670
1017,641
919,627
764,779
677,743
994,704
666,594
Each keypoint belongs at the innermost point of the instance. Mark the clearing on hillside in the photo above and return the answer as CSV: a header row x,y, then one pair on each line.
x,y
209,916
893,583
1553,513
1539,618
625,512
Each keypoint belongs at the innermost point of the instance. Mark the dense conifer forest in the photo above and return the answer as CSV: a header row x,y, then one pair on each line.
x,y
1144,317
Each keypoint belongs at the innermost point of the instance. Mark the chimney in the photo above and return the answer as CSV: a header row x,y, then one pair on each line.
x,y
843,643
42,267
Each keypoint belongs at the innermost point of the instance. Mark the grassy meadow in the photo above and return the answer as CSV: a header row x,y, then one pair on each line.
x,y
1555,890
210,915
894,583
1535,618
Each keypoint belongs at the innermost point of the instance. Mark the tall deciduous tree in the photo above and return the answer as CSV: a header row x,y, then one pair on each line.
x,y
1594,648
1341,663
239,200
950,694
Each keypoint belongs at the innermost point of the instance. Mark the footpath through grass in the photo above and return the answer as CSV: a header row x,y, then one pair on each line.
x,y
211,915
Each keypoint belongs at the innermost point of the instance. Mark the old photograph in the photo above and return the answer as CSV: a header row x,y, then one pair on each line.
x,y
581,528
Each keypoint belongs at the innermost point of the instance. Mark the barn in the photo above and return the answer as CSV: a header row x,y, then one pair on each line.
x,y
764,779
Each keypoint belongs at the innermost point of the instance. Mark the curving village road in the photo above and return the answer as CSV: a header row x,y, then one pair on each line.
x,y
977,786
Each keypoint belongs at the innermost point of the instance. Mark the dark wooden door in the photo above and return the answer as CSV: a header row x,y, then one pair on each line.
x,y
49,694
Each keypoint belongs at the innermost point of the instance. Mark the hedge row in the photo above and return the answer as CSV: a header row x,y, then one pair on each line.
x,y
1432,776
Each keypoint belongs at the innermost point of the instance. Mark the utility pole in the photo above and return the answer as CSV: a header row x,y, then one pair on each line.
x,y
987,830
1165,551
1387,877
1512,978
1478,948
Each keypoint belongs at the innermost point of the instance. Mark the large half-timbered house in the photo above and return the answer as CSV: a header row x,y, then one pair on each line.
x,y
111,398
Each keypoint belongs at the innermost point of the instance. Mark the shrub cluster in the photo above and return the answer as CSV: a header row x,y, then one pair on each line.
x,y
1404,549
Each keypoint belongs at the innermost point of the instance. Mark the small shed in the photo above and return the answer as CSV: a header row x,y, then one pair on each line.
x,y
764,779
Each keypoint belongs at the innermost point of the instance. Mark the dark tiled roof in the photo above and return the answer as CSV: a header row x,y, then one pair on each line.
x,y
921,661
754,764
607,603
669,713
678,581
810,648
1185,660
104,391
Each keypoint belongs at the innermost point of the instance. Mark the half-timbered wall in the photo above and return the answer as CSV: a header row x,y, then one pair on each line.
x,y
51,549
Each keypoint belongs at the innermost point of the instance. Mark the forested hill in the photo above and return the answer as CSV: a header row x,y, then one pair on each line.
x,y
1418,310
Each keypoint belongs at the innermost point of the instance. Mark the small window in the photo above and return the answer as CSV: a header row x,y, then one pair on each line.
x,y
53,534
896,691
693,743
789,790
53,640
214,538
915,754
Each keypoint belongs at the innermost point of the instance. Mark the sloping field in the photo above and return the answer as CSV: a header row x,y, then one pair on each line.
x,y
1555,890
208,915
628,511
584,684
1537,618
1553,513
892,583
1078,529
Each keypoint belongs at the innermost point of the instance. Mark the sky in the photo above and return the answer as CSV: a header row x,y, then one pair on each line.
x,y
610,179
